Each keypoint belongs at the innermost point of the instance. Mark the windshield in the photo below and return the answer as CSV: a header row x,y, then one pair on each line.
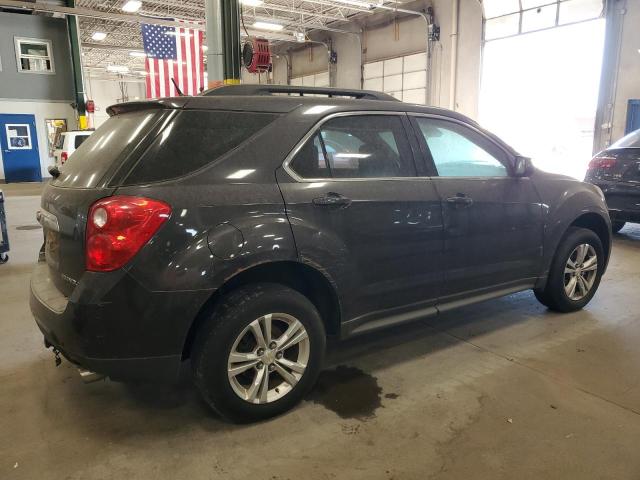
x,y
629,141
106,148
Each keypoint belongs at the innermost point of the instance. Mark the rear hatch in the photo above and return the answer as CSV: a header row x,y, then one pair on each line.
x,y
617,173
90,174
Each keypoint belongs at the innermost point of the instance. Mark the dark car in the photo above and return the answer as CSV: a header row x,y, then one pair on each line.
x,y
616,171
241,228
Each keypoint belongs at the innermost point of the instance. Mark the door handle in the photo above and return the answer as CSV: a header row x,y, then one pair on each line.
x,y
460,200
332,199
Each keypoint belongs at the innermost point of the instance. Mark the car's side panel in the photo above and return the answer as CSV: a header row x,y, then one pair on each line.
x,y
564,200
495,240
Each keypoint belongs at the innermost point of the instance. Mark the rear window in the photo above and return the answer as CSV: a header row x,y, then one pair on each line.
x,y
194,139
630,141
80,139
105,148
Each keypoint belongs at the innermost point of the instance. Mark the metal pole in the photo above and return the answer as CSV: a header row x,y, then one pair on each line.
x,y
215,54
232,41
76,63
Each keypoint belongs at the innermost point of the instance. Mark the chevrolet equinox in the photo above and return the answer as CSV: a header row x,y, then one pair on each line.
x,y
240,228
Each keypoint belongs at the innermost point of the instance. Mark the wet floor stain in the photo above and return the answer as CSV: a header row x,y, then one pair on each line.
x,y
28,227
348,391
392,396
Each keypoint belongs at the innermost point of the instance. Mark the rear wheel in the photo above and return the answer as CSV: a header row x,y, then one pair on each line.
x,y
575,272
616,226
259,353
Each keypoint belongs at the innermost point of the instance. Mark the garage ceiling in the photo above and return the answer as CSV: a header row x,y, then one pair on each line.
x,y
123,37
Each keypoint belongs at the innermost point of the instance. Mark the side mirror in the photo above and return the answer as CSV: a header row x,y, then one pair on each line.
x,y
522,166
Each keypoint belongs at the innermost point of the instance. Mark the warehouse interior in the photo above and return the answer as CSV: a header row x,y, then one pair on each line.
x,y
502,389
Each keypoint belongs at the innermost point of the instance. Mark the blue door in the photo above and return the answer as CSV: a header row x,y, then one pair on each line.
x,y
19,143
633,116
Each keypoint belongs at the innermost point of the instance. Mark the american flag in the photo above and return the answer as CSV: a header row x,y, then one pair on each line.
x,y
172,53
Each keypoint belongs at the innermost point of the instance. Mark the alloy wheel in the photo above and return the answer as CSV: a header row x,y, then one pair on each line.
x,y
268,358
580,272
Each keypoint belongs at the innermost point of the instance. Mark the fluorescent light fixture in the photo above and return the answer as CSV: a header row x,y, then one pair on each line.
x,y
132,6
268,26
356,3
245,172
252,3
98,36
117,68
137,53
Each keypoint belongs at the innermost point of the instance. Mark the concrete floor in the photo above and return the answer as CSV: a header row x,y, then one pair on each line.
x,y
505,389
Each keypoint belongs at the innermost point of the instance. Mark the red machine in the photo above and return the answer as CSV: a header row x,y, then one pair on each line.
x,y
256,55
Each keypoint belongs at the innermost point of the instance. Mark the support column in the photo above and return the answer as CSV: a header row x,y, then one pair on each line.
x,y
215,53
76,62
231,41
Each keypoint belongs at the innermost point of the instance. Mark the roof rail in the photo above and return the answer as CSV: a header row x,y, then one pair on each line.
x,y
294,90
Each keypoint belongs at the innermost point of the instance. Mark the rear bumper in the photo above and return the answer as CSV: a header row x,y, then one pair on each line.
x,y
113,326
623,200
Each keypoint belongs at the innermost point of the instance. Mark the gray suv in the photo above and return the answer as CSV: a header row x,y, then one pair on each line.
x,y
241,228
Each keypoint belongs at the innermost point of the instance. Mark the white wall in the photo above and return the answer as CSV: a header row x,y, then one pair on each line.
x,y
107,92
42,111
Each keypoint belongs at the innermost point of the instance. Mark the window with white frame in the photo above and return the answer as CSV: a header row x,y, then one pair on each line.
x,y
314,80
34,55
507,18
403,77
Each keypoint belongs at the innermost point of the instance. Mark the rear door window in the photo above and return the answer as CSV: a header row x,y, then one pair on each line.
x,y
106,148
194,139
357,146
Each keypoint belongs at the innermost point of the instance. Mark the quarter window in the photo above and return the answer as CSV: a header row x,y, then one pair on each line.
x,y
458,151
34,55
357,146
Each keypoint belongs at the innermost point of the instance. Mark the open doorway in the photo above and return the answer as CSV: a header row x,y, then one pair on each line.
x,y
539,93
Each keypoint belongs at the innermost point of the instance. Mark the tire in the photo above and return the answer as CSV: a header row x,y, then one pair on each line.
x,y
616,226
554,295
231,327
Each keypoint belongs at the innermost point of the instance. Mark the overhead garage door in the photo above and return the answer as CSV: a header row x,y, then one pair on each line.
x,y
403,77
507,18
320,79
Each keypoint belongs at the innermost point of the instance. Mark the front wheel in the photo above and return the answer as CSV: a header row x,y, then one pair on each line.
x,y
259,353
575,272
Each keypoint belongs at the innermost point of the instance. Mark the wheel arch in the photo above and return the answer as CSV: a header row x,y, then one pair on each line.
x,y
597,224
307,280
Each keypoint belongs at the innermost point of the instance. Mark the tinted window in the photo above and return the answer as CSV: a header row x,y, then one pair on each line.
x,y
357,146
458,151
310,161
194,139
108,145
80,139
629,141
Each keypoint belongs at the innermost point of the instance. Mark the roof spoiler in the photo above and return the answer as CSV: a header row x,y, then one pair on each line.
x,y
248,90
120,108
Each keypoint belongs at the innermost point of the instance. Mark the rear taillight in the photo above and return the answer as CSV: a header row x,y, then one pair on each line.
x,y
602,162
118,227
64,157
